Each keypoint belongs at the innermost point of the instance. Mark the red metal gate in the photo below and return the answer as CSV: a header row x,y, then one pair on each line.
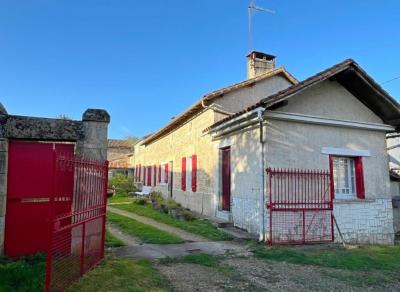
x,y
300,206
29,192
77,237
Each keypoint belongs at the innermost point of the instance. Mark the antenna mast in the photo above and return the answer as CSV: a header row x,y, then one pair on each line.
x,y
252,8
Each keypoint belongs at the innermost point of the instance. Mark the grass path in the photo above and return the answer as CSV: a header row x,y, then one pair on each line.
x,y
187,236
203,228
143,232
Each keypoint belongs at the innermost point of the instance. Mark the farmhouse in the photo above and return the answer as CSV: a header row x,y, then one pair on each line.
x,y
323,141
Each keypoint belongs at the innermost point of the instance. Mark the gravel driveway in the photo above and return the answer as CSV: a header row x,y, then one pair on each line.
x,y
251,274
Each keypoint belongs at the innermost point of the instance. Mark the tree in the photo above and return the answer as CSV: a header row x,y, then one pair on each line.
x,y
132,140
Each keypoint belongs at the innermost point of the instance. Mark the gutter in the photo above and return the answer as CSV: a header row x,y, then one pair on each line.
x,y
260,117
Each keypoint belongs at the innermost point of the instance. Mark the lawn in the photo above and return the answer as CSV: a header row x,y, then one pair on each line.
x,y
201,227
26,274
143,232
365,258
112,241
122,275
119,198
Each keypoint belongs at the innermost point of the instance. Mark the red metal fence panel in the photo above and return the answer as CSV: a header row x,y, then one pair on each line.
x,y
77,237
300,206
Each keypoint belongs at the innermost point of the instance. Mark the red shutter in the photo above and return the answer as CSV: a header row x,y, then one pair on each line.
x,y
149,176
358,165
140,170
183,176
332,183
155,175
166,173
159,173
194,173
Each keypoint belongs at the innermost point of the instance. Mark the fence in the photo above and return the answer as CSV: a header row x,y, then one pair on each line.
x,y
300,206
76,237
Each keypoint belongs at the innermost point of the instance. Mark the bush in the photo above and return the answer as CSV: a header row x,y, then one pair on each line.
x,y
141,201
170,207
123,184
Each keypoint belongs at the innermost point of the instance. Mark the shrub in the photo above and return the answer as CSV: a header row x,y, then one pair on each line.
x,y
122,183
141,201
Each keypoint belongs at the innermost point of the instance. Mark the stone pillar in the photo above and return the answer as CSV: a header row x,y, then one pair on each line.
x,y
94,145
3,179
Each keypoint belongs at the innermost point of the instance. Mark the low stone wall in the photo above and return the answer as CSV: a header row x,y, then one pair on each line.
x,y
365,221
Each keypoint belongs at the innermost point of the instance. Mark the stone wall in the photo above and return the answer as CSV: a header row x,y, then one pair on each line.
x,y
185,141
365,222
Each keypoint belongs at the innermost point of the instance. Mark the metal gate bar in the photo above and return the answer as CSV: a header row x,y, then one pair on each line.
x,y
77,237
300,206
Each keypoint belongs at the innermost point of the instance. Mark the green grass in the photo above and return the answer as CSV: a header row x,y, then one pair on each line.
x,y
200,227
112,241
123,275
26,274
364,258
119,198
145,233
198,258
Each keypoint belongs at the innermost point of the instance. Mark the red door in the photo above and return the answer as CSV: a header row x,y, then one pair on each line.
x,y
226,179
30,185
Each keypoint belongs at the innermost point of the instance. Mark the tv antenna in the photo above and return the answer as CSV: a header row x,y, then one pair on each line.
x,y
253,9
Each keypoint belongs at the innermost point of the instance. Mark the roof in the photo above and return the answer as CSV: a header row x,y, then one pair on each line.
x,y
350,75
209,97
114,143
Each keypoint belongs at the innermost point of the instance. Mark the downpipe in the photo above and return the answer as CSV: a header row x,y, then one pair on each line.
x,y
260,117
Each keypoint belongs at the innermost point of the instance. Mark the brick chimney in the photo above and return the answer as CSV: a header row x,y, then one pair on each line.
x,y
259,63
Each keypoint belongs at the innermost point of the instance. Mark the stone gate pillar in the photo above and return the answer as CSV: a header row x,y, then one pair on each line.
x,y
93,145
3,178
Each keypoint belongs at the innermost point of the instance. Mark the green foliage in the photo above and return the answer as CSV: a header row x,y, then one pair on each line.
x,y
144,232
363,258
122,183
123,275
25,274
112,241
141,201
197,226
132,140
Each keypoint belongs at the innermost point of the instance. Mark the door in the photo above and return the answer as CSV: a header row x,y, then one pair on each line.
x,y
30,187
226,178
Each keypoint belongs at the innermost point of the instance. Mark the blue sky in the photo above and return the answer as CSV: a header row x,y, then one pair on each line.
x,y
146,61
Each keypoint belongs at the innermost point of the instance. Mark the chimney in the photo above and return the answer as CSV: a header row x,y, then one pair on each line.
x,y
259,63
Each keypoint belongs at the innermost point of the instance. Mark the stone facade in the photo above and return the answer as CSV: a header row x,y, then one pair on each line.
x,y
90,136
296,144
367,221
188,139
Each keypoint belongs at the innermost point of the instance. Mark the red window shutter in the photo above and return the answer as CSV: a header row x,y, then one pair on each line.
x,y
166,173
155,175
183,176
140,170
332,183
358,165
159,173
149,176
194,173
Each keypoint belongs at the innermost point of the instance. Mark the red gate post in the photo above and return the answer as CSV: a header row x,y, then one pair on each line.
x,y
105,174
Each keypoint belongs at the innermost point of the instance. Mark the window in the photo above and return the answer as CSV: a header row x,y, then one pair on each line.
x,y
164,173
189,173
343,177
347,174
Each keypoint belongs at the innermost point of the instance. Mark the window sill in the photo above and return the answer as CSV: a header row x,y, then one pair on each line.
x,y
352,200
